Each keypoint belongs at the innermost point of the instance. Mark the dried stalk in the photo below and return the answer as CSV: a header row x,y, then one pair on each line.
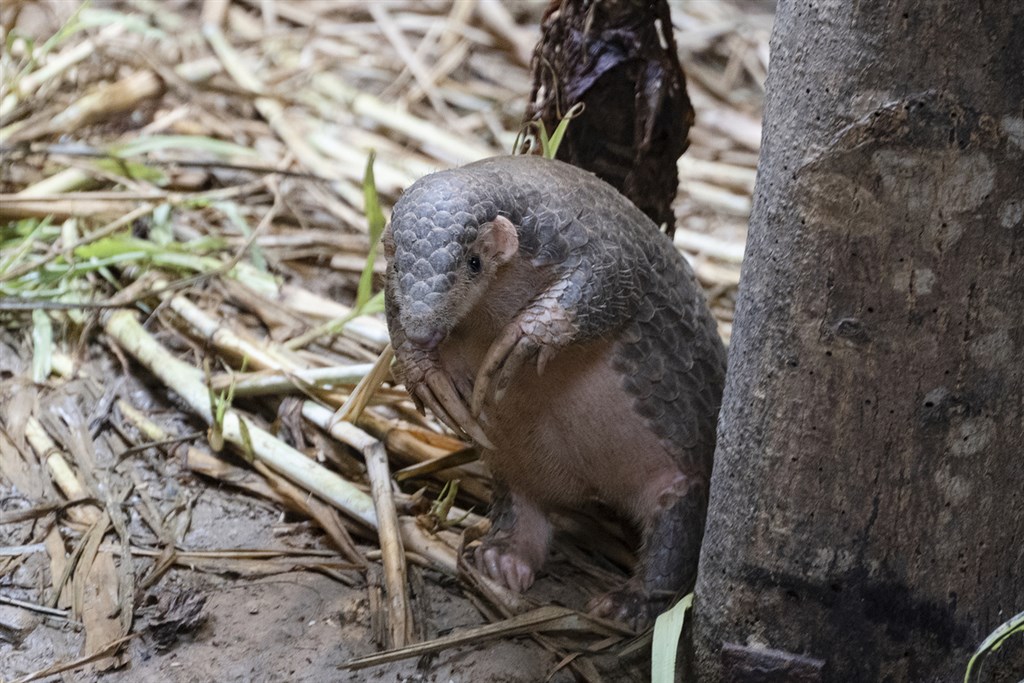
x,y
60,470
392,551
187,382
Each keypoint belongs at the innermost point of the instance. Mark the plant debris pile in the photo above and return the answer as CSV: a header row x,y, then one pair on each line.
x,y
205,470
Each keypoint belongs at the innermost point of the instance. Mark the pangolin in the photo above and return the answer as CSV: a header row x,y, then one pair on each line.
x,y
536,310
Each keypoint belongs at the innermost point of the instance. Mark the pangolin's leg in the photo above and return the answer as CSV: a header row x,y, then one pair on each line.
x,y
668,557
517,544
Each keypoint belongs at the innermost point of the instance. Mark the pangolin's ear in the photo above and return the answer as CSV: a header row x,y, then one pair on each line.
x,y
498,240
388,238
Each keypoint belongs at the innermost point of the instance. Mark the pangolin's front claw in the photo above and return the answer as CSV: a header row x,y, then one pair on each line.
x,y
444,391
437,393
434,388
425,397
506,355
520,353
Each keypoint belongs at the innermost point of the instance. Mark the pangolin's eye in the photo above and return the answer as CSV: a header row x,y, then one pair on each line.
x,y
474,264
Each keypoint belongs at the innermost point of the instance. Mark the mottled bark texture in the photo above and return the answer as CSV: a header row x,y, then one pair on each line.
x,y
617,57
867,504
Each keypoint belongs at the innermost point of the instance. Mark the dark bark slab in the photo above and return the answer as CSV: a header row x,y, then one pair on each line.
x,y
867,504
618,58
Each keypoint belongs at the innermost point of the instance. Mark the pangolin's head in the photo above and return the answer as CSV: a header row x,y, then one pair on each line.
x,y
445,243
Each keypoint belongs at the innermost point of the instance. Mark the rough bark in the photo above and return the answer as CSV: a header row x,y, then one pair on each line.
x,y
867,504
618,58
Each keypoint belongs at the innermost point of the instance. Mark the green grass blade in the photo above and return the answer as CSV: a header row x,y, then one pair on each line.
x,y
556,138
115,245
545,142
375,218
70,27
24,244
132,170
667,629
374,305
994,641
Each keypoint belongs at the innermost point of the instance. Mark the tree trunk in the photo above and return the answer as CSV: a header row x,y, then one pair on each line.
x,y
867,503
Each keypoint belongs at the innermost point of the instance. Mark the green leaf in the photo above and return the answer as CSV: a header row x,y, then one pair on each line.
x,y
556,138
994,641
667,629
42,346
132,170
31,230
115,245
124,243
545,142
375,218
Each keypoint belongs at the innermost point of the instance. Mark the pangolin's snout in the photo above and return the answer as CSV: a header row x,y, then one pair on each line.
x,y
420,323
424,336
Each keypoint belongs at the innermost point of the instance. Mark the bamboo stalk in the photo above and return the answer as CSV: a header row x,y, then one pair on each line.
x,y
274,113
187,382
63,181
256,354
54,67
104,101
272,485
60,471
454,149
281,381
11,209
718,198
709,246
731,176
495,16
411,59
392,550
368,385
366,329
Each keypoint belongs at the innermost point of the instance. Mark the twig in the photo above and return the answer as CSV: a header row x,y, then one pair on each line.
x,y
450,147
28,85
539,620
392,550
412,62
41,609
105,101
278,382
368,385
74,664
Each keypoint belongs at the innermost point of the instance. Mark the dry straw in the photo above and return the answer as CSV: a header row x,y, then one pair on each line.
x,y
182,200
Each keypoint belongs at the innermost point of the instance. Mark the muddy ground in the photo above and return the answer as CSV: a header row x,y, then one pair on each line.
x,y
250,623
